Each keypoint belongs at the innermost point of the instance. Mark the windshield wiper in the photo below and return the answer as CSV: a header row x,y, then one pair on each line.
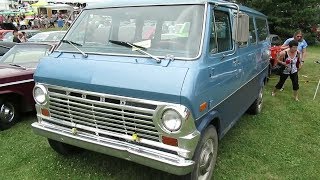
x,y
17,65
137,48
74,44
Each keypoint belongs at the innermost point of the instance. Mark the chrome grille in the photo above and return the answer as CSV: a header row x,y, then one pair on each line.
x,y
102,112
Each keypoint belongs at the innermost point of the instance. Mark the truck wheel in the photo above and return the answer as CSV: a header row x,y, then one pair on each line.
x,y
9,113
63,148
205,156
256,107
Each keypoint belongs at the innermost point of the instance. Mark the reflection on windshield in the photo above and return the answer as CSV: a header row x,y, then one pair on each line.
x,y
47,36
25,55
176,32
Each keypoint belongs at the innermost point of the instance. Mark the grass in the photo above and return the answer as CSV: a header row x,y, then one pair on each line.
x,y
283,142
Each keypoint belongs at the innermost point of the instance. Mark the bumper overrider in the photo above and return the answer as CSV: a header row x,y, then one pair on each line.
x,y
156,154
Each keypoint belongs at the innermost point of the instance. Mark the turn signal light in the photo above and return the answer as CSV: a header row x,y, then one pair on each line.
x,y
169,141
203,106
45,112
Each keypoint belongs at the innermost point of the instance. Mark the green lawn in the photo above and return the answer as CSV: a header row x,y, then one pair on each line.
x,y
283,142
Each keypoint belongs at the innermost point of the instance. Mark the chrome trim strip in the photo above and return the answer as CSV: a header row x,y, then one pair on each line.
x,y
17,82
231,94
150,157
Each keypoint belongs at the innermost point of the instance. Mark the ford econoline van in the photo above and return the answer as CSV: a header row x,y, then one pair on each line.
x,y
155,82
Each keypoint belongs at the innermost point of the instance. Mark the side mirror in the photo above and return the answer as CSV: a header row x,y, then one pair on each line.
x,y
241,27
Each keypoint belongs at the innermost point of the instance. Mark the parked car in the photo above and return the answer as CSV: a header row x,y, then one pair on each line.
x,y
16,78
5,28
275,48
8,36
50,36
3,33
5,47
275,40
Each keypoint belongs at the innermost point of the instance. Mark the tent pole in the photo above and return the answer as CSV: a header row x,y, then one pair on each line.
x,y
315,94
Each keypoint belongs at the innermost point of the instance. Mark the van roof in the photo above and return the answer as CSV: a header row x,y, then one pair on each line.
x,y
128,3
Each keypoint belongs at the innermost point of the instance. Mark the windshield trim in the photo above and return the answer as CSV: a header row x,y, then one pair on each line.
x,y
128,55
131,55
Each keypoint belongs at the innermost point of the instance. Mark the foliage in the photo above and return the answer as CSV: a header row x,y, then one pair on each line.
x,y
287,16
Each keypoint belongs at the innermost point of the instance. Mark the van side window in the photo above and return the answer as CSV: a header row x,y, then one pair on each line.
x,y
252,35
220,38
262,29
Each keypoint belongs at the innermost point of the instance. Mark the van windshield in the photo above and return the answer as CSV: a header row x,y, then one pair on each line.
x,y
160,30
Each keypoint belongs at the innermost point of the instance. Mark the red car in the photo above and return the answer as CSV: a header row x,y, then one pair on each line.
x,y
5,28
16,75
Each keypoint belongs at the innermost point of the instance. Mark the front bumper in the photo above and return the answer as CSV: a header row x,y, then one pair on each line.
x,y
157,159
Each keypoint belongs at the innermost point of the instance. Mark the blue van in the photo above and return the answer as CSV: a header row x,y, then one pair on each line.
x,y
155,82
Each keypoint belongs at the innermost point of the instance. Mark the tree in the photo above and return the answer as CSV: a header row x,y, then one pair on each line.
x,y
287,16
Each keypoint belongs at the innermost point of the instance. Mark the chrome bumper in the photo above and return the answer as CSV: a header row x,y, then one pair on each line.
x,y
160,160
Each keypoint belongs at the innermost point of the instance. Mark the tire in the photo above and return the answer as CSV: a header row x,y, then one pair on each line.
x,y
256,106
205,154
9,113
63,148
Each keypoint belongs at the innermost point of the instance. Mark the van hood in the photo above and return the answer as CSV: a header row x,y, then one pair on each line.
x,y
124,76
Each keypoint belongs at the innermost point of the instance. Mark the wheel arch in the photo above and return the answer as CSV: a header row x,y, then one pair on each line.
x,y
16,97
211,118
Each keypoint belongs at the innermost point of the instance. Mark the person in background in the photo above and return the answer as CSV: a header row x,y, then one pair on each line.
x,y
290,60
16,36
36,22
22,37
302,46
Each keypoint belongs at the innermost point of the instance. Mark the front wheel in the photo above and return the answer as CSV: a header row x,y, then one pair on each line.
x,y
205,156
9,113
63,148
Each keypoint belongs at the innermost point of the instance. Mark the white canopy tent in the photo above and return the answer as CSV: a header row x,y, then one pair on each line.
x,y
75,1
4,4
59,7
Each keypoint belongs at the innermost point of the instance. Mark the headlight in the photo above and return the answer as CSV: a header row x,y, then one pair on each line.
x,y
171,120
40,94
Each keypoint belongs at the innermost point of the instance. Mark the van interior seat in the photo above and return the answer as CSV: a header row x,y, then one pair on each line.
x,y
223,44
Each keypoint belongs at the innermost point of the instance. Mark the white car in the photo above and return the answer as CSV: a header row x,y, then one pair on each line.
x,y
50,36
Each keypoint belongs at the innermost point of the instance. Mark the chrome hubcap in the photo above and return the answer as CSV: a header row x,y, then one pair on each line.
x,y
7,112
206,160
260,99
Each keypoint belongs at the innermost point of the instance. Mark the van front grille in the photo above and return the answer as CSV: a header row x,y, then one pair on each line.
x,y
102,113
